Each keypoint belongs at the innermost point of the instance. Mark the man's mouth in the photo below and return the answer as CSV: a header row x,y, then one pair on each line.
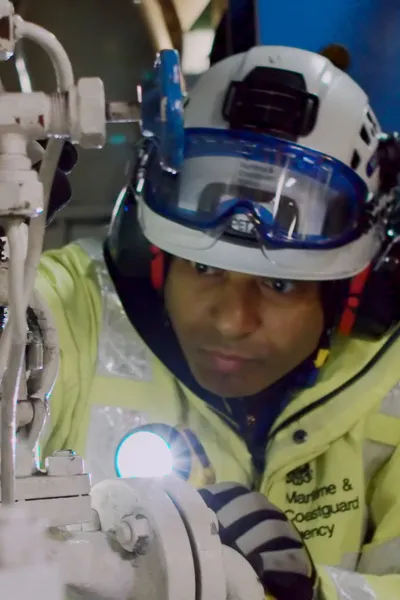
x,y
226,362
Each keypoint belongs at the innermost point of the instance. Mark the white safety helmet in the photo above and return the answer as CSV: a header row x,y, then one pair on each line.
x,y
279,176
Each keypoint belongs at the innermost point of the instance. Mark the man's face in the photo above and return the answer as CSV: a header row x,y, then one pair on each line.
x,y
241,333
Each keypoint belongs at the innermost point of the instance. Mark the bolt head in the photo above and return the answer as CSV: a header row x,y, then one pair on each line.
x,y
134,534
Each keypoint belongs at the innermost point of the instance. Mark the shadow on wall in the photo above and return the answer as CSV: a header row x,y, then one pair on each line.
x,y
105,42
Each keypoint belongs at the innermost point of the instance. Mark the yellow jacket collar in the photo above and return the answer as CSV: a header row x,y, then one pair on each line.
x,y
355,379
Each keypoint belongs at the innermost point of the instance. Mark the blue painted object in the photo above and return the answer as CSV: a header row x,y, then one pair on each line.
x,y
370,30
162,108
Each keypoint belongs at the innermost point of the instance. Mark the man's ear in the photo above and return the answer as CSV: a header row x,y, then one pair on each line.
x,y
338,55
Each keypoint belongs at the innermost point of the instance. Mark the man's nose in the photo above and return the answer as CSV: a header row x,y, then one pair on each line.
x,y
235,312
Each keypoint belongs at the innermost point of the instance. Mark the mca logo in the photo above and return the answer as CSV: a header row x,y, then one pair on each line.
x,y
300,476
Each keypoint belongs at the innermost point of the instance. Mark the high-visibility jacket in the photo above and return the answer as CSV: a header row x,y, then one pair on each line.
x,y
333,470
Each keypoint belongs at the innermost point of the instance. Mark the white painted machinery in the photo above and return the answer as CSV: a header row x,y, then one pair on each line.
x,y
147,539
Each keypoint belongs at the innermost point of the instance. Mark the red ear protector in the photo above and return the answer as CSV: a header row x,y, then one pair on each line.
x,y
157,268
373,302
349,314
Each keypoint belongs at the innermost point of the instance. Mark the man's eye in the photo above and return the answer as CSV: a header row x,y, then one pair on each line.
x,y
282,286
205,269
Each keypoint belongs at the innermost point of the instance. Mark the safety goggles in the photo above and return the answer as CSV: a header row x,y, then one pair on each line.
x,y
255,187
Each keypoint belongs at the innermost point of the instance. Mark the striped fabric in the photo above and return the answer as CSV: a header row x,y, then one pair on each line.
x,y
253,526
